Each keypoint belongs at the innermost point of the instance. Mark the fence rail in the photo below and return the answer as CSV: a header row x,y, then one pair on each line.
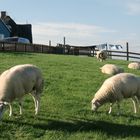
x,y
124,54
37,48
22,47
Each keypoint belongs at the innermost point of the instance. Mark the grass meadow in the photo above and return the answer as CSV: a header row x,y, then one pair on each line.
x,y
65,112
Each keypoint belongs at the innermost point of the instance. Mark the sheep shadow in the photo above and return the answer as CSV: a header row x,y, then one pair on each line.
x,y
112,129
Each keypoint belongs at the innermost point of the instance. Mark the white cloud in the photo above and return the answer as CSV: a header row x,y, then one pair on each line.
x,y
78,34
133,7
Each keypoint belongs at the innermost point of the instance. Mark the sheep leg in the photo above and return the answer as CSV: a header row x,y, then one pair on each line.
x,y
37,107
20,108
10,107
110,109
138,101
134,100
35,102
33,96
36,99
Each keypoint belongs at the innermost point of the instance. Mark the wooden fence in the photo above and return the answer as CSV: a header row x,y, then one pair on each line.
x,y
123,54
37,48
23,47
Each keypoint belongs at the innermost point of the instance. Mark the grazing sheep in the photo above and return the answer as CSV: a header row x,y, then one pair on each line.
x,y
17,82
111,69
116,88
134,65
101,55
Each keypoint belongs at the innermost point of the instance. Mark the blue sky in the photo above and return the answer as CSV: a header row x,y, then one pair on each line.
x,y
82,22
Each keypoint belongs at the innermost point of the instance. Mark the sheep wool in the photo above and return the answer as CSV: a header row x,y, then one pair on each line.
x,y
111,69
117,88
19,81
134,65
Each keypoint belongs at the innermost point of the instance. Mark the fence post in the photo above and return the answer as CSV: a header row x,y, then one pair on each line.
x,y
15,47
3,46
64,40
25,48
127,51
42,48
34,49
50,43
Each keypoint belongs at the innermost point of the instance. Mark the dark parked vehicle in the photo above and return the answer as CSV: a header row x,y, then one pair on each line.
x,y
16,40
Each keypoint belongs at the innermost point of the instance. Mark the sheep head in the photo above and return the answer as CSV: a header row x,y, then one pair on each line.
x,y
95,105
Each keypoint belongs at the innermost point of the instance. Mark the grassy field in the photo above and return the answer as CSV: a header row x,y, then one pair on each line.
x,y
65,114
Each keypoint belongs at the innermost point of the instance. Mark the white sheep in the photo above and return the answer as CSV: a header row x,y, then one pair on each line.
x,y
134,65
111,69
18,81
101,55
115,89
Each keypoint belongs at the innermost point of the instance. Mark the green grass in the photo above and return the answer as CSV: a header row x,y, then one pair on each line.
x,y
65,113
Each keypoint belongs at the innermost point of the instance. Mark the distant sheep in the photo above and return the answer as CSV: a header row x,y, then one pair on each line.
x,y
111,69
117,88
101,55
17,82
134,65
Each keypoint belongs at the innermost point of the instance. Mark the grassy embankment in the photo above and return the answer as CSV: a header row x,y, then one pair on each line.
x,y
70,84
